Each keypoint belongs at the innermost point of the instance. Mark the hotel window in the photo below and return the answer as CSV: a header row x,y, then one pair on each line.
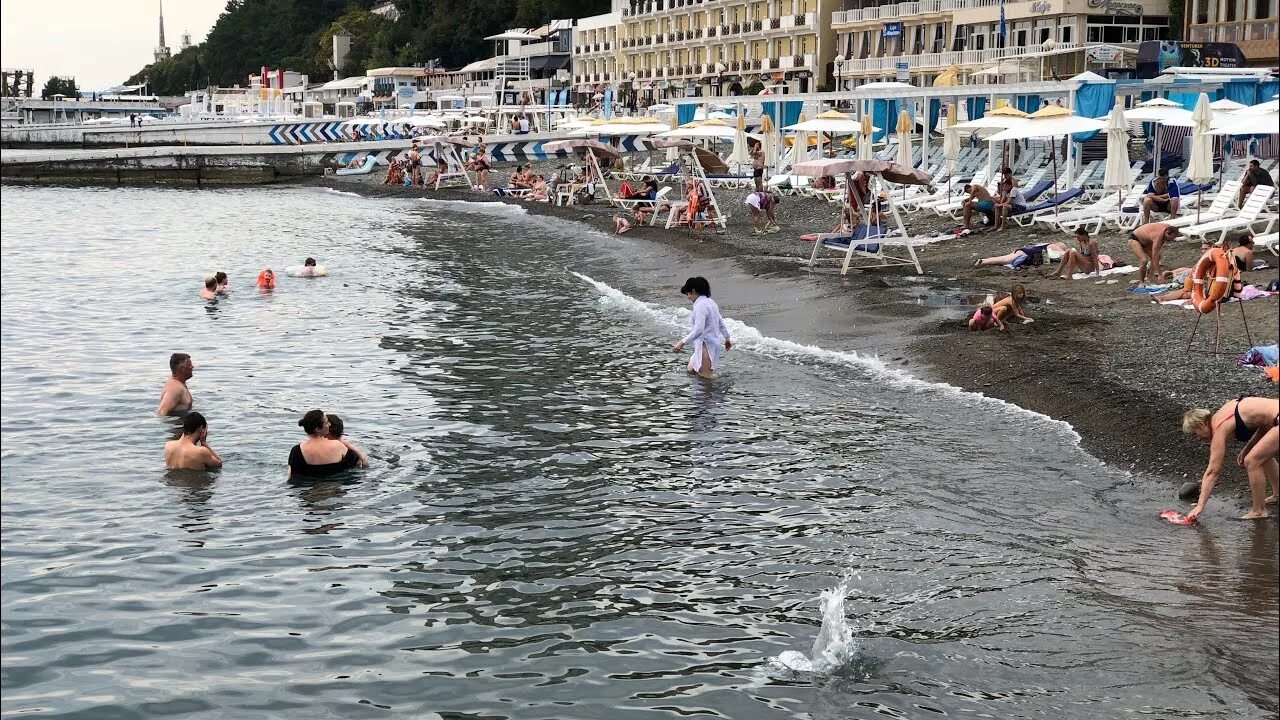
x,y
939,38
1020,38
917,46
962,38
1263,9
1232,15
1066,33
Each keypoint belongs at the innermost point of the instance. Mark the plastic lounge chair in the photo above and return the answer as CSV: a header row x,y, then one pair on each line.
x,y
365,168
870,245
1027,215
1216,211
1270,241
1249,215
632,203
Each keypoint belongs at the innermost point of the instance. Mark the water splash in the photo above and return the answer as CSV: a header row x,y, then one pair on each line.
x,y
834,647
496,207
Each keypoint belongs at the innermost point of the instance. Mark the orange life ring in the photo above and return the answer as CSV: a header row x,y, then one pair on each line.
x,y
1219,281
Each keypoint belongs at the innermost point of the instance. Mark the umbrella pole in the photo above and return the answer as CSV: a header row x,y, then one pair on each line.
x,y
1055,177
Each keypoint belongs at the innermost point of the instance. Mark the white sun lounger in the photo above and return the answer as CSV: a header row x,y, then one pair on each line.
x,y
1249,215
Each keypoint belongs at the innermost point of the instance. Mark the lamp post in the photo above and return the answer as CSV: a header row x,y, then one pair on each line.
x,y
839,62
720,79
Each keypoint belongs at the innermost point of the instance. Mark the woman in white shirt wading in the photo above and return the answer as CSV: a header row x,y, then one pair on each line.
x,y
706,329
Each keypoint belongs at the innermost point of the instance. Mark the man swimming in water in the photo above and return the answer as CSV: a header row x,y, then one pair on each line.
x,y
175,398
210,291
191,451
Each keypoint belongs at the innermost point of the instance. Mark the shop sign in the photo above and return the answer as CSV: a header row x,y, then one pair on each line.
x,y
1104,54
894,29
1116,7
1041,7
904,71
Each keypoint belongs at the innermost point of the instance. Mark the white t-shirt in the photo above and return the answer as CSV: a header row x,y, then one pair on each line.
x,y
753,199
524,125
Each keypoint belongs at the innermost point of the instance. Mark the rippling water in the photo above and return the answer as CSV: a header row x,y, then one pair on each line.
x,y
558,522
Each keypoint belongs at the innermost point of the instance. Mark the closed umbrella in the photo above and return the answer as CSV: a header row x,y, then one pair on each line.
x,y
864,138
1200,165
673,152
769,144
904,138
799,143
951,144
740,154
1118,175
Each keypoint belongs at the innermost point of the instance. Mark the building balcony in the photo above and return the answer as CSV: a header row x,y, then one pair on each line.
x,y
943,60
906,10
1234,32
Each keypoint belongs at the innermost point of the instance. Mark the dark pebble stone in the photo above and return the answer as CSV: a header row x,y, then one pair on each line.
x,y
1189,491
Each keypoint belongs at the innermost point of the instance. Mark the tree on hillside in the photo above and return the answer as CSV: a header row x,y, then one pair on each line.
x,y
175,76
367,31
59,86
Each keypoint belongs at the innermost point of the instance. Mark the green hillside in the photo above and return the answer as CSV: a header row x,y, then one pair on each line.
x,y
297,35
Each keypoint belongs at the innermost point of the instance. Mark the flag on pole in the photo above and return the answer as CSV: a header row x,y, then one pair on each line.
x,y
1003,29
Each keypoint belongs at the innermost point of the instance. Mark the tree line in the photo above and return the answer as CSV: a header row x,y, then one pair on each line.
x,y
298,35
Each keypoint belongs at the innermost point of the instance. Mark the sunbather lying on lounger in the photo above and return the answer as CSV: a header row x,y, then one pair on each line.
x,y
1033,254
1084,259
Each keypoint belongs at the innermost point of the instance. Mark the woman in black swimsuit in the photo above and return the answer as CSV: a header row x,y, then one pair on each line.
x,y
1254,421
319,455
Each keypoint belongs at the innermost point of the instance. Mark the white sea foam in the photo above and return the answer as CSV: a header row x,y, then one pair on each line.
x,y
332,191
746,337
487,206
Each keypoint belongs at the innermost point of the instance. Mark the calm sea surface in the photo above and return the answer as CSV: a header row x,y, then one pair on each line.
x,y
558,522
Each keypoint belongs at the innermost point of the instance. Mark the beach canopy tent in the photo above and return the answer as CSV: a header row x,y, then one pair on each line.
x,y
862,242
592,151
426,121
831,121
449,148
702,130
619,127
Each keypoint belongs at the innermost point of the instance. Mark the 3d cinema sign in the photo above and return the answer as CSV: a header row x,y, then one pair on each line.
x,y
1116,7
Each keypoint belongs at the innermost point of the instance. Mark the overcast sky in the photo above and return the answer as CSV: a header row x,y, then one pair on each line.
x,y
100,42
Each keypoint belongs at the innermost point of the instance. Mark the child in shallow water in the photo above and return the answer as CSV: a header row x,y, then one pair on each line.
x,y
335,433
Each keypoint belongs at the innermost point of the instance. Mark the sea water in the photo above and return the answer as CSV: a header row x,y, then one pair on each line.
x,y
558,522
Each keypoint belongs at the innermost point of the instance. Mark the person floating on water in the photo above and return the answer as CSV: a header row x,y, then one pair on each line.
x,y
191,451
319,455
706,329
1253,421
210,291
175,398
311,269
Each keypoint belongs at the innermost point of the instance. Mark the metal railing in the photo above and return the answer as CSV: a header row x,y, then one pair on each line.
x,y
907,9
947,59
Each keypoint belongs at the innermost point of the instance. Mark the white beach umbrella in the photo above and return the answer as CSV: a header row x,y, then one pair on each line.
x,y
866,132
673,152
704,130
1118,175
740,155
904,138
1052,121
1251,124
950,145
1225,105
769,143
1200,164
1262,108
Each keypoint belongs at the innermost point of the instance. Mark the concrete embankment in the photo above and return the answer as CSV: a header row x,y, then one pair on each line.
x,y
194,165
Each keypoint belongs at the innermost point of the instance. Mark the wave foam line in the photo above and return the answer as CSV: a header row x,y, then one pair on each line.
x,y
488,206
749,338
332,191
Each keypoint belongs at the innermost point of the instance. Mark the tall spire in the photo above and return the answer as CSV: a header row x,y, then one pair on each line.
x,y
162,50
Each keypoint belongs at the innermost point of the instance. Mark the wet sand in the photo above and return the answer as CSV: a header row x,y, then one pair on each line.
x,y
1098,356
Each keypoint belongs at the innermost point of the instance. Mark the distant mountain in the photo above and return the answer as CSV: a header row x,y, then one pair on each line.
x,y
297,35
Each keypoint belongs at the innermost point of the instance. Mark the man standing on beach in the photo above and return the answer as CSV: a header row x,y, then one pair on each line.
x,y
175,398
1146,242
191,451
756,148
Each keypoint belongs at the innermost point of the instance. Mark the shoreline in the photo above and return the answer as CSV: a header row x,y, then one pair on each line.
x,y
1104,360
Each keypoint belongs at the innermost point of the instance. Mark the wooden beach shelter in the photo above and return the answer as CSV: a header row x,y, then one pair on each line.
x,y
449,148
591,150
884,172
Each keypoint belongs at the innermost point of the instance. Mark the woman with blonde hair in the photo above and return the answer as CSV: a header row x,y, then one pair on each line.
x,y
1253,421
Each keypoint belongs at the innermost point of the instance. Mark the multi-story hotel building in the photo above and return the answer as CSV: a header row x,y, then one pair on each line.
x,y
657,49
881,40
1250,24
